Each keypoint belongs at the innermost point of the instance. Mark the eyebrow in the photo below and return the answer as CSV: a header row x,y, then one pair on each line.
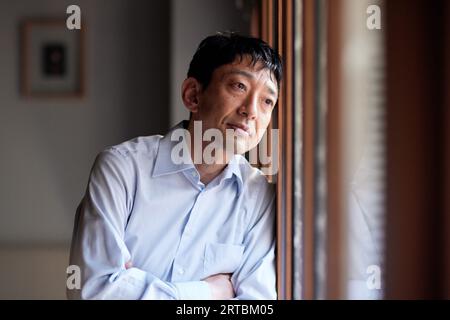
x,y
250,76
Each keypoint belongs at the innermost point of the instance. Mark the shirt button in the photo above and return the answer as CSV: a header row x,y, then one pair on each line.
x,y
181,271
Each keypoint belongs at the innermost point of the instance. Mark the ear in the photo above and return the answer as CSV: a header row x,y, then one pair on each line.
x,y
190,91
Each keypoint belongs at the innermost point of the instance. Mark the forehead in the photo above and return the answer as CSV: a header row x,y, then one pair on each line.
x,y
246,67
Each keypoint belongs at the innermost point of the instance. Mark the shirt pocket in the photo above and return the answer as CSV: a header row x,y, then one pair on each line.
x,y
222,258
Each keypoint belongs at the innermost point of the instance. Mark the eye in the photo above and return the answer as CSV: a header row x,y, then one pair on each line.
x,y
269,102
239,86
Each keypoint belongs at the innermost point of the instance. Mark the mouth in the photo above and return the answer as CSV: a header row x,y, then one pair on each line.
x,y
240,129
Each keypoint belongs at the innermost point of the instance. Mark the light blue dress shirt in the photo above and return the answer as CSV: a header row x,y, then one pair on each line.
x,y
142,207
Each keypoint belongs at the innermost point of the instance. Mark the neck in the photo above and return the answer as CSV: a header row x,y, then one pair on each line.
x,y
207,171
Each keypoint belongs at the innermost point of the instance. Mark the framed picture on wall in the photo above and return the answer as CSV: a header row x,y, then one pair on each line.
x,y
51,59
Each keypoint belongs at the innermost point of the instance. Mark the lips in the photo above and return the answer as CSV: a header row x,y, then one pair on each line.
x,y
239,128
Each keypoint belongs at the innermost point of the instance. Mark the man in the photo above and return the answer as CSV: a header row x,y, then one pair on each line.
x,y
152,227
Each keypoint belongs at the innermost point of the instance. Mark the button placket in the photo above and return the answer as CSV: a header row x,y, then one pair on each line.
x,y
178,269
194,214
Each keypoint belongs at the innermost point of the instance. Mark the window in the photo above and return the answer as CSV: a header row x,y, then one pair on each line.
x,y
363,127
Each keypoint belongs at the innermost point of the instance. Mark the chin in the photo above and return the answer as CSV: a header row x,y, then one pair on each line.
x,y
241,147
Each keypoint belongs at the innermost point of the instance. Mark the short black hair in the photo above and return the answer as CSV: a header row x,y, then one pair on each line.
x,y
223,48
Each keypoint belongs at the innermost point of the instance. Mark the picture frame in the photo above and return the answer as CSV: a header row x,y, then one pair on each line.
x,y
52,59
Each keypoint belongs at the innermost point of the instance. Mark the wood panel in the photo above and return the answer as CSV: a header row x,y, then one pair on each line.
x,y
308,184
415,267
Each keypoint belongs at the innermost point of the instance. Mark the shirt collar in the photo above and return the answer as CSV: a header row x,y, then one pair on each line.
x,y
164,163
234,168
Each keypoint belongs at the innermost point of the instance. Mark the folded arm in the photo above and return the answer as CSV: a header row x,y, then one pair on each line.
x,y
256,276
98,246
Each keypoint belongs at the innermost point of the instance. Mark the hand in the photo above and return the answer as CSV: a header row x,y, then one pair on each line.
x,y
221,286
128,265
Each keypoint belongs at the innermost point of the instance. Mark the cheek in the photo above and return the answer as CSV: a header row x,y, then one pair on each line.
x,y
263,121
231,102
222,104
261,126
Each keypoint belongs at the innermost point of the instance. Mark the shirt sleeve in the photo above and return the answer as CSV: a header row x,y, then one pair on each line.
x,y
256,276
98,246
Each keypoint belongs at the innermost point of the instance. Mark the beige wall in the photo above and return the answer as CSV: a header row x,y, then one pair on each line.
x,y
33,272
48,146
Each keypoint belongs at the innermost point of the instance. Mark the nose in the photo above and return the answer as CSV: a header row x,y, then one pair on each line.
x,y
249,108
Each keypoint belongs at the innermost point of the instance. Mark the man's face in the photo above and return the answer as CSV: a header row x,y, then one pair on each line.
x,y
240,97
